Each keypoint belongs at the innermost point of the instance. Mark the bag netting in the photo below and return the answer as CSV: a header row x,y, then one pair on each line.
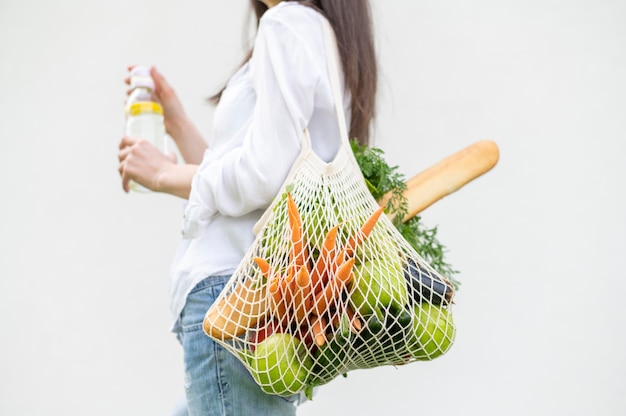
x,y
329,284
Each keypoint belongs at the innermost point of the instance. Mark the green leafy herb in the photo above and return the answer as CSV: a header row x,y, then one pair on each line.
x,y
381,178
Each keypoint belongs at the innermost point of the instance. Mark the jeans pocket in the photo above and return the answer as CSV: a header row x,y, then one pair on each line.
x,y
199,301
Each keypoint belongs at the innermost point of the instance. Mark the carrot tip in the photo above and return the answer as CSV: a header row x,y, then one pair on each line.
x,y
320,340
262,264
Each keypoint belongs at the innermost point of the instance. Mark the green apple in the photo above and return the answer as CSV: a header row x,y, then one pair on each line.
x,y
315,227
379,284
317,220
433,331
281,364
276,242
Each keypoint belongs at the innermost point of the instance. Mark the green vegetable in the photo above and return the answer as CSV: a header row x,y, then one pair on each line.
x,y
379,284
281,364
381,178
433,332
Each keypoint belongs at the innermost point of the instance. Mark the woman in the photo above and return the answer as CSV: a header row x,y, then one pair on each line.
x,y
282,88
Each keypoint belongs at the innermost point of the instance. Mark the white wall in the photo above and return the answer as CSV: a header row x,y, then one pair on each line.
x,y
539,240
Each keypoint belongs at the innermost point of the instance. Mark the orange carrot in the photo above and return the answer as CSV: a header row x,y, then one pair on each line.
x,y
318,329
280,296
303,278
278,307
320,271
274,287
331,292
324,298
344,272
280,312
340,258
263,266
302,296
355,322
364,232
298,252
286,287
330,241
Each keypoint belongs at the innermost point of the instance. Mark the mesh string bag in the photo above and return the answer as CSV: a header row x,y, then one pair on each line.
x,y
329,285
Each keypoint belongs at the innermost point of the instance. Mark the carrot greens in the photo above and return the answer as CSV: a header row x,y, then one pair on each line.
x,y
381,178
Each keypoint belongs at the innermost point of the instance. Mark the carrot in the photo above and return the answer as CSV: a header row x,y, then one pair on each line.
x,y
355,322
298,251
280,296
302,295
263,266
330,241
320,271
331,292
303,278
274,288
344,272
340,258
324,298
277,307
318,329
303,307
280,312
364,232
286,287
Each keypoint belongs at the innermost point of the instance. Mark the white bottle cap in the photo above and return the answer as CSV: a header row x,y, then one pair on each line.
x,y
140,77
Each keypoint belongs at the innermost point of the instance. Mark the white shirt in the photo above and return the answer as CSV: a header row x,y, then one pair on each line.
x,y
258,129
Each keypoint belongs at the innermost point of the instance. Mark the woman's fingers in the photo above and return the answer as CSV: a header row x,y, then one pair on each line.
x,y
128,141
123,153
127,144
127,79
162,87
125,181
141,162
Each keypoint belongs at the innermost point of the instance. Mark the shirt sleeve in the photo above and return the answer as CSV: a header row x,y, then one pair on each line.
x,y
285,76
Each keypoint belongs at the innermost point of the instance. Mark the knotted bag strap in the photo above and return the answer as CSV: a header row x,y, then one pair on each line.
x,y
332,65
344,153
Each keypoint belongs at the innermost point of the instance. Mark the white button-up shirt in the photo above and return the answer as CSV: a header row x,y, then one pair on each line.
x,y
258,130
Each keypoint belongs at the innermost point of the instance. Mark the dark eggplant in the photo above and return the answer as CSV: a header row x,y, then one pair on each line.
x,y
425,285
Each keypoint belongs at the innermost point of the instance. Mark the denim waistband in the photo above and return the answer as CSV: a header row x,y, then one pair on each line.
x,y
211,281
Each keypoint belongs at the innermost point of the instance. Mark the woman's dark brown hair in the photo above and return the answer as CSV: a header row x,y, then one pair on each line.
x,y
351,20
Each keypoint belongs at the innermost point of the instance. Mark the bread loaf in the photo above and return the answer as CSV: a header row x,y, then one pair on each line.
x,y
447,176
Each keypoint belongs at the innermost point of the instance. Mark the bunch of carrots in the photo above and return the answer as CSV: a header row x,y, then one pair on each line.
x,y
308,294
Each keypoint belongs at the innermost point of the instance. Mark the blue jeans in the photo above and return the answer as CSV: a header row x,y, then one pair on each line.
x,y
216,382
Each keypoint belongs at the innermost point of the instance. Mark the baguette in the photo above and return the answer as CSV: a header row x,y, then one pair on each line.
x,y
447,176
239,311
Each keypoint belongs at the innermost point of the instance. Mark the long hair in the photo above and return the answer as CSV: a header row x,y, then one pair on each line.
x,y
352,22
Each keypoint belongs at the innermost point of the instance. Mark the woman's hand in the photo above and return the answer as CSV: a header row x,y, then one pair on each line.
x,y
143,163
173,111
176,120
186,136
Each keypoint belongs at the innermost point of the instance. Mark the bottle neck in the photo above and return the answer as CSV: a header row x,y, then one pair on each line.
x,y
141,94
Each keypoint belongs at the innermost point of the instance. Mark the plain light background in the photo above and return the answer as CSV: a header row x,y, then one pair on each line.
x,y
539,240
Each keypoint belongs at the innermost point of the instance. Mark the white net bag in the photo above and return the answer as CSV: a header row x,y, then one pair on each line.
x,y
329,284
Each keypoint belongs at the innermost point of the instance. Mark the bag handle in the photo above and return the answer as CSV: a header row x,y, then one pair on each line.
x,y
344,153
332,64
